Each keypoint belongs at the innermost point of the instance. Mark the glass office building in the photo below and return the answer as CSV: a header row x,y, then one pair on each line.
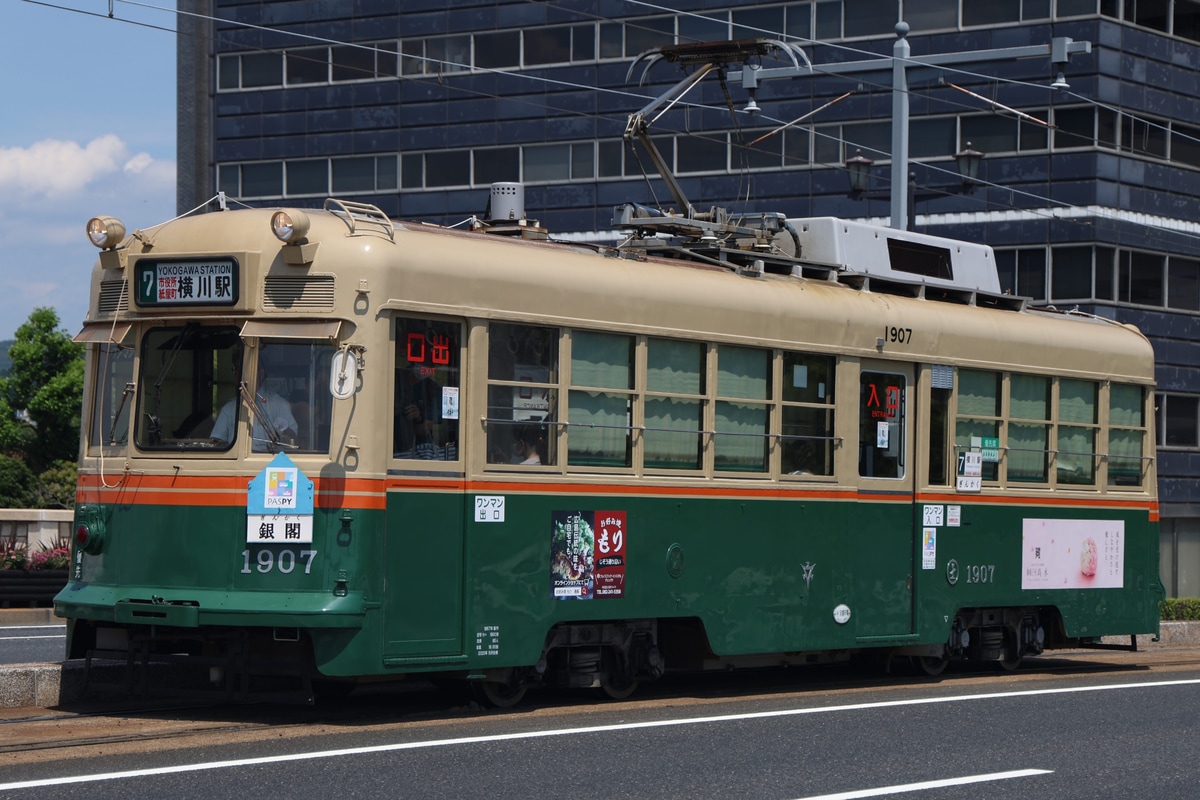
x,y
1089,192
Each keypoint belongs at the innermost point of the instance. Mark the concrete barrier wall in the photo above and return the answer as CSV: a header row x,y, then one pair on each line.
x,y
35,527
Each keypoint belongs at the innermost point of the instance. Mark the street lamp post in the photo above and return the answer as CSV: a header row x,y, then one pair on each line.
x,y
858,168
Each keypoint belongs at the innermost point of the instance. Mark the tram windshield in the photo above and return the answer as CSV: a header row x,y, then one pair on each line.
x,y
200,388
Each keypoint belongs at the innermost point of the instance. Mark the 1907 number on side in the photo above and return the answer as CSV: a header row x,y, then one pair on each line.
x,y
286,561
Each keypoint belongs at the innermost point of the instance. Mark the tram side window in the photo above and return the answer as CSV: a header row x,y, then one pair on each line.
x,y
522,394
808,433
427,382
292,408
978,414
1077,425
1028,453
940,392
674,404
113,401
881,425
741,443
1126,434
179,385
600,402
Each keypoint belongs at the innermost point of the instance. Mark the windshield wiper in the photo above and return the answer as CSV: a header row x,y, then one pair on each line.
x,y
117,415
257,406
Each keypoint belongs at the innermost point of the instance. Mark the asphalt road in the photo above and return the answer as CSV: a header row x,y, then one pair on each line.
x,y
28,644
1082,728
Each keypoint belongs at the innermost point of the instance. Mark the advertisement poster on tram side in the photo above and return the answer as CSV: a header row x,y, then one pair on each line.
x,y
1073,554
587,554
610,554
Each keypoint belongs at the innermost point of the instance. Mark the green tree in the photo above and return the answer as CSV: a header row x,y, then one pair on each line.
x,y
46,382
16,435
18,486
56,485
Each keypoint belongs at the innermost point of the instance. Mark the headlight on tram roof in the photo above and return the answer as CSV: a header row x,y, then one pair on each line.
x,y
105,232
289,226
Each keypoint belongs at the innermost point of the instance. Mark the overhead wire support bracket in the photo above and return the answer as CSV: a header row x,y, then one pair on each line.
x,y
707,57
1059,50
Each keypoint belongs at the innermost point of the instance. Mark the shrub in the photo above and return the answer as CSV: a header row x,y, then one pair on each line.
x,y
1178,609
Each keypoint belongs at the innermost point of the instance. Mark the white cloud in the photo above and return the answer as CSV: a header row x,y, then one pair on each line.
x,y
48,191
52,168
139,163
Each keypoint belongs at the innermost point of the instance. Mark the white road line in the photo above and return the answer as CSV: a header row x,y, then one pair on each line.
x,y
19,638
32,627
883,791
625,726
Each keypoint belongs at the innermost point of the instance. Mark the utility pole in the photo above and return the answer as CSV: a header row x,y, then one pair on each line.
x,y
1059,50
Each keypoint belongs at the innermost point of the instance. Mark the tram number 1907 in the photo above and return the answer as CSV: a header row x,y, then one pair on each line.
x,y
267,560
980,573
900,335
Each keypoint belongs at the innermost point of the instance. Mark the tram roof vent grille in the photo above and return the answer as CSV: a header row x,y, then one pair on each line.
x,y
114,297
298,293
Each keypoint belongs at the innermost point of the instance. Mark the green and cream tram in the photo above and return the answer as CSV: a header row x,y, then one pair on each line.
x,y
325,445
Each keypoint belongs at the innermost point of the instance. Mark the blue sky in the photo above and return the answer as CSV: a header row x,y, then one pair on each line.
x,y
88,128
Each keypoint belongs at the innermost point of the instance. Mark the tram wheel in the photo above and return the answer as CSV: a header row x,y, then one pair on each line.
x,y
1010,663
498,694
618,687
932,665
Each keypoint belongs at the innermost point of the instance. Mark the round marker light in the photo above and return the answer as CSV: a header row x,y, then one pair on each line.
x,y
289,226
88,539
105,232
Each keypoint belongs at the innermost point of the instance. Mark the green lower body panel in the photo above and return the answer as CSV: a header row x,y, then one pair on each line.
x,y
196,607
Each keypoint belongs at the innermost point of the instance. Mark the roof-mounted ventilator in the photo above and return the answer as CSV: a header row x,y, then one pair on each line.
x,y
505,214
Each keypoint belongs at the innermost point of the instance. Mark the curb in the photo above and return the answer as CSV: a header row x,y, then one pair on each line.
x,y
29,616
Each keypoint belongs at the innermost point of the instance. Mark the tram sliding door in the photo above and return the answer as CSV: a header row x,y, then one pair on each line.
x,y
882,536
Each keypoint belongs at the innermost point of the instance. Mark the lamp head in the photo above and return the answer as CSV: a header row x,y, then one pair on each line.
x,y
859,169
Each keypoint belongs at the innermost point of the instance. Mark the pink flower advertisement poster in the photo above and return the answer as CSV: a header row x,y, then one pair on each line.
x,y
1073,554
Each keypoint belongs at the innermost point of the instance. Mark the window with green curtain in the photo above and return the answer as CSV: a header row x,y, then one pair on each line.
x,y
743,376
741,442
599,433
674,407
1077,442
602,360
978,413
1028,456
743,372
1126,434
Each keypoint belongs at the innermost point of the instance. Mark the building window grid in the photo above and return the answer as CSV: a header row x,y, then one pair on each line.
x,y
443,55
268,180
1177,420
1130,277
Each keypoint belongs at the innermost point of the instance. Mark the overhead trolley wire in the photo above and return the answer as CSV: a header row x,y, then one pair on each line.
x,y
1095,213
